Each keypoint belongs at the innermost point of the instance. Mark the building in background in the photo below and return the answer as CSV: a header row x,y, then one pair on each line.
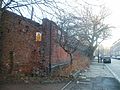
x,y
115,49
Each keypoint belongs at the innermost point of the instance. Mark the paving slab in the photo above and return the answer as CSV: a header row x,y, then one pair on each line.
x,y
98,69
97,83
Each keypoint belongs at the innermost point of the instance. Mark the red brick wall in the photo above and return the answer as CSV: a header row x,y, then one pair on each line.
x,y
54,51
58,54
19,37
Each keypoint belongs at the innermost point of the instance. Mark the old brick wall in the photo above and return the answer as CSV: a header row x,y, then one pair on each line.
x,y
54,53
19,38
21,49
59,56
19,42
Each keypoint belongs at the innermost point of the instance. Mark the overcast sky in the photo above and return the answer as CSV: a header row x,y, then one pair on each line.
x,y
114,20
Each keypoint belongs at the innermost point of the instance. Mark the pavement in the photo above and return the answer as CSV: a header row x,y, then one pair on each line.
x,y
97,77
97,83
98,70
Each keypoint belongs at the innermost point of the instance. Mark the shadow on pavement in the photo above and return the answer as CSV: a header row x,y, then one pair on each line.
x,y
97,83
105,83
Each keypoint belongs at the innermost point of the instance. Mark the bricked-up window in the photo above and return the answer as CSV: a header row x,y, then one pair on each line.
x,y
11,62
38,36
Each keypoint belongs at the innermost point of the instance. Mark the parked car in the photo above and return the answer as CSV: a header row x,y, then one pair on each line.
x,y
106,59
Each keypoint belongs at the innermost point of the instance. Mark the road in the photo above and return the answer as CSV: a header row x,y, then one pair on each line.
x,y
114,67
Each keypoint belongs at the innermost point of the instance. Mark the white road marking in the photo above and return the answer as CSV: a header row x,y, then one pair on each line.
x,y
113,73
66,85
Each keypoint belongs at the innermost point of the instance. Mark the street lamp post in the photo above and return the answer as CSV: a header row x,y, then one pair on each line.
x,y
98,55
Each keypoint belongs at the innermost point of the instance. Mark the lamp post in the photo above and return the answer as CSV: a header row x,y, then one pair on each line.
x,y
98,55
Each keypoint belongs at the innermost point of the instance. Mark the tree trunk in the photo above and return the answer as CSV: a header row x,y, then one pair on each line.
x,y
91,55
90,52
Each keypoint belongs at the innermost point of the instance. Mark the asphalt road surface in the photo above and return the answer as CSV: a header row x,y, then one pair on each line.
x,y
114,67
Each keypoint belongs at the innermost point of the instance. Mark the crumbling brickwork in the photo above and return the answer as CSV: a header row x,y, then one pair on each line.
x,y
21,51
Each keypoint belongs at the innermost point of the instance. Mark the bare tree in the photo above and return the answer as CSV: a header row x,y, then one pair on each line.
x,y
92,29
67,37
88,28
25,7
